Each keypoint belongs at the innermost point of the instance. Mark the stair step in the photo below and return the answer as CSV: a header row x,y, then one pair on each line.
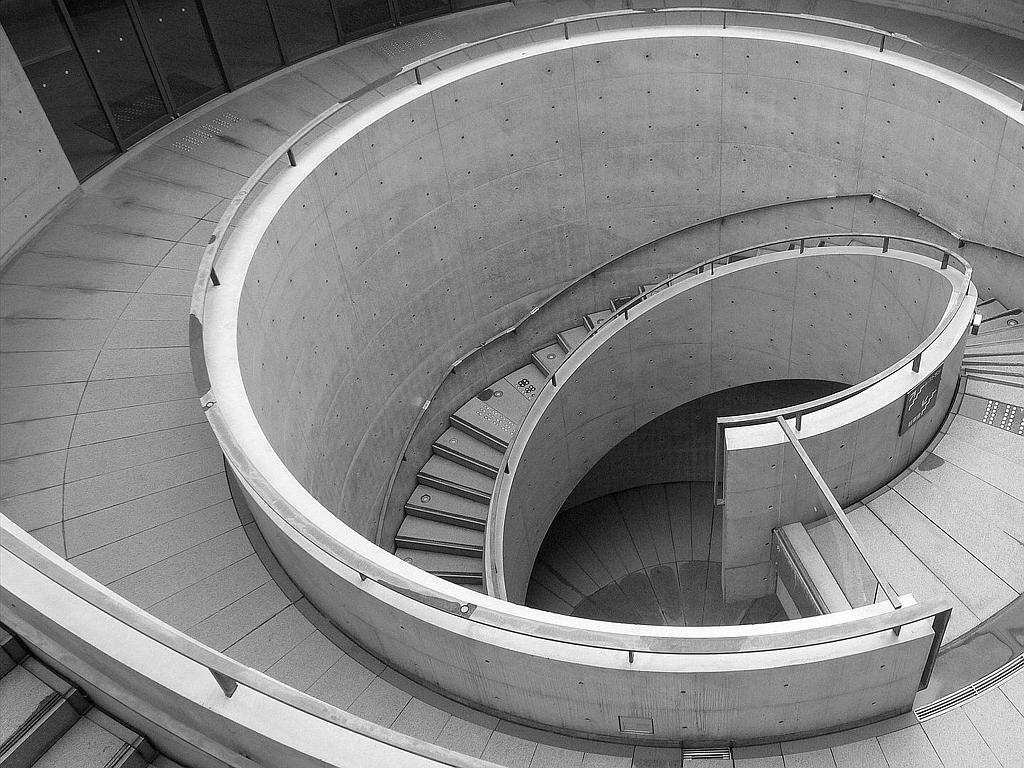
x,y
11,651
990,390
549,358
435,536
620,301
446,475
528,382
594,319
572,337
462,448
433,504
1004,370
494,415
1010,319
990,308
983,340
828,592
38,709
88,744
459,569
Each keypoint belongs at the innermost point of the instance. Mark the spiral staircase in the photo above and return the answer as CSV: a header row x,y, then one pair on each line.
x,y
108,461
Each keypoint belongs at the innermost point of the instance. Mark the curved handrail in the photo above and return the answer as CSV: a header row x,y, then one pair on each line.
x,y
207,273
493,547
228,673
402,579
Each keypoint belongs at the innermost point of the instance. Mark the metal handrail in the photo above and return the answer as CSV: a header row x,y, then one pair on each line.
x,y
913,358
368,568
837,510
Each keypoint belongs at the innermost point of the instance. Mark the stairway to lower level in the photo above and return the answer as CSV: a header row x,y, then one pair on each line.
x,y
443,528
47,722
952,526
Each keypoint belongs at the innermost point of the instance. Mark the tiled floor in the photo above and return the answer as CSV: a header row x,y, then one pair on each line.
x,y
107,459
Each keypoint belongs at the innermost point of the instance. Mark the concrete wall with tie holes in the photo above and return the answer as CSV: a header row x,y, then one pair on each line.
x,y
446,219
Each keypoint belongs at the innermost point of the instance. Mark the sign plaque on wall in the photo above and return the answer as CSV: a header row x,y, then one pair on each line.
x,y
920,400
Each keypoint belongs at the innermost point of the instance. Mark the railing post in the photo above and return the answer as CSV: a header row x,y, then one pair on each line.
x,y
881,46
416,71
291,157
565,30
802,245
799,421
226,683
885,244
945,260
917,362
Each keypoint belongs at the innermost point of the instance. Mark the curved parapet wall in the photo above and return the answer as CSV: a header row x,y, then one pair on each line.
x,y
318,350
842,314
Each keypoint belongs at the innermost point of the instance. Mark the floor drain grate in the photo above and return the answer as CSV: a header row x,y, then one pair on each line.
x,y
955,699
208,130
710,753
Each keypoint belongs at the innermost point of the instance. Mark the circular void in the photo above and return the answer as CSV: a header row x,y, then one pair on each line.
x,y
424,224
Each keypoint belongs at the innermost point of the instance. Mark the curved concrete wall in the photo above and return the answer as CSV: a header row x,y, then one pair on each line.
x,y
836,314
452,213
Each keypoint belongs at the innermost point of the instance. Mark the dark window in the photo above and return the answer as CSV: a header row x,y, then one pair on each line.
x,y
359,17
410,10
245,37
111,47
306,27
181,44
40,38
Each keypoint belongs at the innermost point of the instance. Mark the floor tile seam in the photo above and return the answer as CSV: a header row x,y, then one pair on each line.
x,y
201,419
153,608
122,467
143,465
148,528
145,495
153,402
955,541
223,608
967,471
102,345
247,635
326,672
163,560
977,619
992,747
144,540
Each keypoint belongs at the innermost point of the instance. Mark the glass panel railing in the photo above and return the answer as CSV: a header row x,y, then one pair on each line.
x,y
834,561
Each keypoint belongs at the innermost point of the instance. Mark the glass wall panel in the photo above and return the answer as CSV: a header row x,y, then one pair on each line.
x,y
180,42
245,38
123,76
305,26
418,9
40,38
359,17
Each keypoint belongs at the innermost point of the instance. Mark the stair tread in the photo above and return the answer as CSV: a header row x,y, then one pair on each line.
x,y
495,414
812,561
1000,323
85,744
447,471
991,390
1008,370
426,501
442,563
455,442
418,529
1001,337
594,319
21,693
572,337
990,308
528,381
549,358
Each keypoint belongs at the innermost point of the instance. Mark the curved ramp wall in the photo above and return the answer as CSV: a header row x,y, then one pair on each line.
x,y
444,214
318,348
840,314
